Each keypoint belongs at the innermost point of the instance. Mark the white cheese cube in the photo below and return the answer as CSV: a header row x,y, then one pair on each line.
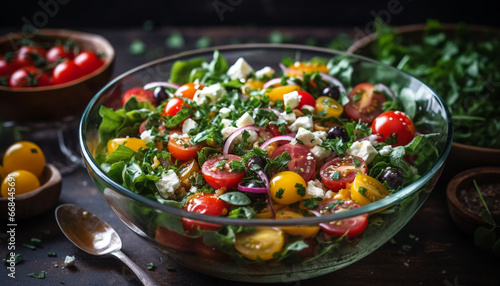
x,y
307,138
240,69
303,121
319,153
146,136
209,94
315,189
245,120
288,117
291,99
226,122
188,125
168,184
386,150
227,131
363,149
69,261
265,72
225,112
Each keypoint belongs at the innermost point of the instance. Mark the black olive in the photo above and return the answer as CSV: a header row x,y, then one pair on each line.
x,y
261,162
160,95
393,177
337,132
332,91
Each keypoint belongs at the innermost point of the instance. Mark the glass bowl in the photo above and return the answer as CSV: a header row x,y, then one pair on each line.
x,y
160,225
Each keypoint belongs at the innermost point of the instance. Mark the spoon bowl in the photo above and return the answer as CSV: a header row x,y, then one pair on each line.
x,y
94,236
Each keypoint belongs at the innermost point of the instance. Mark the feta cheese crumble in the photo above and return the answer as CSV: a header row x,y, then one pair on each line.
x,y
240,69
168,184
363,149
69,261
209,94
308,138
291,99
303,121
146,136
265,72
245,120
188,125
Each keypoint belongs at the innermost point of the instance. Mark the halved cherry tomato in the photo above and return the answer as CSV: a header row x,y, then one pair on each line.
x,y
333,108
302,163
339,171
173,106
365,103
88,61
365,189
30,55
188,90
141,94
29,76
305,98
351,227
180,147
59,52
207,204
132,143
302,230
305,67
218,174
66,71
394,124
260,244
278,92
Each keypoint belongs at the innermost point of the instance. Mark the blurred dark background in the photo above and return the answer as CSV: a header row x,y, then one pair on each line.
x,y
360,14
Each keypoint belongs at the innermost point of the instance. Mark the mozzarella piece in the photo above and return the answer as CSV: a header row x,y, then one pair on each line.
x,y
188,125
363,149
168,184
291,99
303,121
245,120
240,69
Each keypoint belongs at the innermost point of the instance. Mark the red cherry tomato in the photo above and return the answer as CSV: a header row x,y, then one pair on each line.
x,y
59,52
29,55
353,226
394,124
188,90
65,72
88,62
141,94
7,67
305,98
207,204
365,103
29,76
173,106
339,171
180,147
302,163
218,174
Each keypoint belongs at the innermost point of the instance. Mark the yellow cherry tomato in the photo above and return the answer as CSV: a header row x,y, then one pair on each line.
x,y
278,92
19,182
287,187
333,108
260,244
303,67
24,155
132,143
2,173
254,84
365,189
302,230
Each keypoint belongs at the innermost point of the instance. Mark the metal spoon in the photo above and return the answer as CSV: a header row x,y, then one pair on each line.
x,y
94,236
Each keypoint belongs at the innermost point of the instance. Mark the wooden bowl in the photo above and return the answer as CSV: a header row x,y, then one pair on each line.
x,y
461,157
37,201
56,101
464,218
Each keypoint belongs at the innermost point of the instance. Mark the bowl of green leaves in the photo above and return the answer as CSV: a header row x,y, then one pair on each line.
x,y
461,63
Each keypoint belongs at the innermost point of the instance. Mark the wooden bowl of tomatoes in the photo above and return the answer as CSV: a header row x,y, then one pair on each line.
x,y
51,74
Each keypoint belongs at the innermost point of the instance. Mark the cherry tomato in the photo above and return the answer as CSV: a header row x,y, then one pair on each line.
x,y
20,182
174,241
304,67
141,94
305,98
302,163
188,90
180,147
29,76
278,92
132,143
287,187
30,55
365,189
260,244
207,204
353,226
394,122
218,174
7,67
187,170
303,230
66,71
24,155
59,52
173,106
365,103
333,108
339,171
88,62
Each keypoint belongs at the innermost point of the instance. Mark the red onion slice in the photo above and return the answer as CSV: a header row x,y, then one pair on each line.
x,y
386,89
333,80
272,110
233,135
255,190
264,178
160,83
277,80
277,138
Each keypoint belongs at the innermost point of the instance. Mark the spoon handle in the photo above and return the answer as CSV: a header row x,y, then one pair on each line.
x,y
141,274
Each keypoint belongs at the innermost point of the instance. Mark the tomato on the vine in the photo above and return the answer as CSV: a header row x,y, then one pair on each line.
x,y
88,62
396,125
31,55
140,94
365,103
188,90
65,72
59,52
29,76
7,66
351,227
218,174
339,171
207,204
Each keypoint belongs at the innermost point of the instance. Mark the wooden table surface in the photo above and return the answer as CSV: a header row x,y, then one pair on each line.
x,y
429,250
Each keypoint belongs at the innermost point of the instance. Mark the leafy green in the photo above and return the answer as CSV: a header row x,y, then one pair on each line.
x,y
484,237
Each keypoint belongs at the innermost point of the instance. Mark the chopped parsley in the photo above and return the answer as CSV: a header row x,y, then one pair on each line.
x,y
301,190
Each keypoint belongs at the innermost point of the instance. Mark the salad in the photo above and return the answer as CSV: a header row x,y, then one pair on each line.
x,y
288,141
